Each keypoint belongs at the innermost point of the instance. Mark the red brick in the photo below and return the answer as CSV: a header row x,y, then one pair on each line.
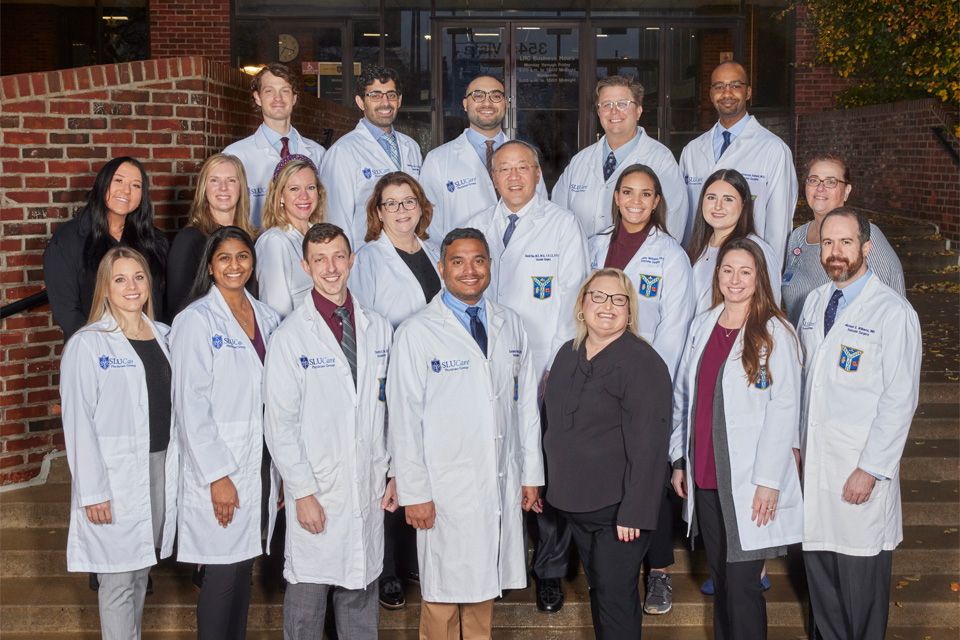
x,y
27,353
46,395
30,106
19,476
11,461
28,197
154,110
68,166
42,152
112,137
24,137
153,138
42,122
123,95
130,124
69,138
86,123
46,182
32,442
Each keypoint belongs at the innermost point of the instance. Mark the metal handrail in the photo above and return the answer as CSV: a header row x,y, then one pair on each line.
x,y
940,134
24,304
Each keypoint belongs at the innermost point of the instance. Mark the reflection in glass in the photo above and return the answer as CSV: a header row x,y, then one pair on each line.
x,y
467,53
634,52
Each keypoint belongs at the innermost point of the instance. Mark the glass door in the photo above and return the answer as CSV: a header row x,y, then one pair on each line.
x,y
539,64
637,52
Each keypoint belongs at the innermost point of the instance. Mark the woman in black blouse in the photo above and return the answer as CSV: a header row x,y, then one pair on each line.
x,y
118,213
221,200
608,404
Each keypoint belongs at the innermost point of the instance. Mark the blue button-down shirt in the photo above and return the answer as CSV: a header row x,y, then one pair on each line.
x,y
479,142
377,134
623,151
851,291
735,131
459,308
293,139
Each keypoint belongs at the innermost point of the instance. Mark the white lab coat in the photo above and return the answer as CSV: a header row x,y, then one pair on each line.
x,y
280,275
582,189
106,429
761,428
767,164
706,265
217,379
857,413
351,169
327,438
465,434
547,248
458,185
381,280
660,271
259,159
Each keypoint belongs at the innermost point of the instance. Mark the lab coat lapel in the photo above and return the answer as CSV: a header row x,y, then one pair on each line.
x,y
494,328
228,319
323,333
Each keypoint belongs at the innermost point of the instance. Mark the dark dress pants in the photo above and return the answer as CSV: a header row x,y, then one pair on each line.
x,y
612,568
850,595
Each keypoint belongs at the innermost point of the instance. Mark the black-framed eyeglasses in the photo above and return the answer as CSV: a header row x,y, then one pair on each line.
x,y
600,297
619,105
736,85
392,206
378,96
479,95
828,183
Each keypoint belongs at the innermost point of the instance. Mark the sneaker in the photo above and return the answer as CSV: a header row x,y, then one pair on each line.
x,y
707,587
659,593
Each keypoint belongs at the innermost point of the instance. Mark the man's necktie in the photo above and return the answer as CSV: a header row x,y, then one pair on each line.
x,y
394,149
830,315
349,341
476,329
510,229
489,144
609,166
285,148
726,141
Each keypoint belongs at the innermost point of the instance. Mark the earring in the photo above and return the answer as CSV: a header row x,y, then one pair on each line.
x,y
281,203
580,316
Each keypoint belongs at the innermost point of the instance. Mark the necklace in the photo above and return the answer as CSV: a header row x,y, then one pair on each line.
x,y
727,332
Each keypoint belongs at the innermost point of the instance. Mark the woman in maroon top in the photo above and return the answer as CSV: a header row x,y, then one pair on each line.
x,y
735,436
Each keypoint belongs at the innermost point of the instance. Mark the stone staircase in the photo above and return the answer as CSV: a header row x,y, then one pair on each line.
x,y
40,600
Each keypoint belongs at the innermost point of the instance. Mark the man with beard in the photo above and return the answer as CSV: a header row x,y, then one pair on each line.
x,y
355,162
738,141
456,175
862,349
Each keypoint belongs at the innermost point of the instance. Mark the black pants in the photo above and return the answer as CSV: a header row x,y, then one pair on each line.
x,y
660,555
224,601
399,545
850,595
613,572
739,609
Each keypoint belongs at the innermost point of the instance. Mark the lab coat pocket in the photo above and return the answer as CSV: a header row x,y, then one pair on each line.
x,y
331,490
840,455
857,360
454,489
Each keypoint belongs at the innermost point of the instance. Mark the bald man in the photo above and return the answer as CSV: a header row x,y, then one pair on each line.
x,y
738,141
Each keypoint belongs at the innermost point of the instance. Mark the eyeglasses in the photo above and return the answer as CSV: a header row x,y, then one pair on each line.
x,y
522,169
378,96
736,85
618,299
392,206
828,183
479,95
619,105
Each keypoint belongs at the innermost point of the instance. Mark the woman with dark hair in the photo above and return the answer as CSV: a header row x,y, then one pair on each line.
x,y
118,213
295,201
230,488
828,186
220,200
121,442
736,413
726,213
395,273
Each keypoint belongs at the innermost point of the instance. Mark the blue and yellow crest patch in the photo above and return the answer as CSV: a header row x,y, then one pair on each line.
x,y
541,287
649,286
849,358
382,394
763,379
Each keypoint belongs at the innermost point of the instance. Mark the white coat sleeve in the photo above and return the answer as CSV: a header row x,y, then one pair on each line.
x,y
528,414
430,181
274,274
406,385
573,271
561,191
675,193
774,268
778,434
679,307
777,223
336,175
363,282
283,388
191,353
897,403
79,396
681,401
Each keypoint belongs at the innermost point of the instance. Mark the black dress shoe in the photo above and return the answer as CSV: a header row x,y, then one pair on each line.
x,y
549,595
149,585
410,576
391,594
94,582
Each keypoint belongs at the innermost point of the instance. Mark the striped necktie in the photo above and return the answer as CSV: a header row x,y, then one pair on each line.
x,y
348,342
394,151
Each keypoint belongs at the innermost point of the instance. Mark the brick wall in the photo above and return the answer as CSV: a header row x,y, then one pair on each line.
x,y
191,28
897,165
58,129
816,86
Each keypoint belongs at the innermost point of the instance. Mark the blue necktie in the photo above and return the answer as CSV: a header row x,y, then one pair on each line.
x,y
609,166
394,151
830,315
510,229
726,141
476,329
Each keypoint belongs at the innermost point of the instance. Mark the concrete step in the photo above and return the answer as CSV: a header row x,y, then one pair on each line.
x,y
40,605
918,244
919,278
927,261
936,420
931,460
